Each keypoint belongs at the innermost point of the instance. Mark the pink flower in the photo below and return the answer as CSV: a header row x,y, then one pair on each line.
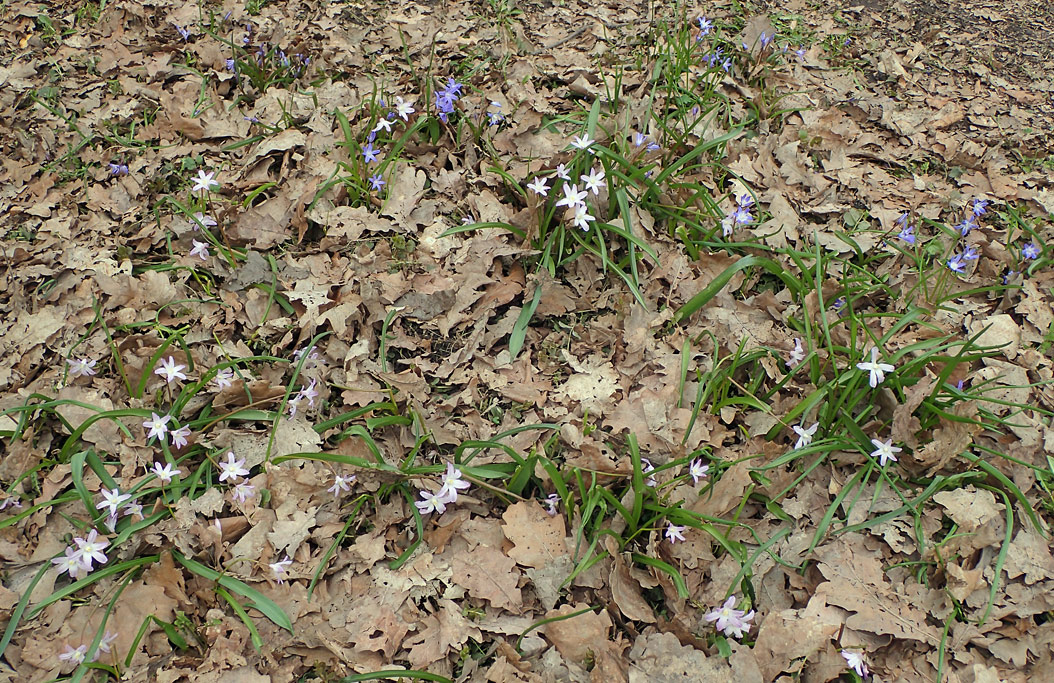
x,y
170,370
279,569
674,533
179,436
431,502
855,661
730,621
70,563
698,470
90,549
452,483
242,491
232,469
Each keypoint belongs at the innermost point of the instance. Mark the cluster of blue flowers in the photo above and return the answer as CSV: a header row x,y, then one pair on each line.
x,y
446,98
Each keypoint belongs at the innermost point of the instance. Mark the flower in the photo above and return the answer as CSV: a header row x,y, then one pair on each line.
x,y
74,655
1029,251
185,32
242,491
133,509
673,533
81,368
698,470
796,355
203,219
205,182
594,182
279,569
878,370
970,254
157,425
766,40
200,249
582,141
979,207
551,501
232,469
704,25
804,435
561,172
957,264
582,217
10,501
369,153
540,186
112,500
452,483
639,139
907,233
855,661
730,621
966,226
884,451
70,563
165,473
572,197
430,502
383,123
223,378
376,182
118,169
403,109
169,370
90,549
340,484
107,639
646,468
179,436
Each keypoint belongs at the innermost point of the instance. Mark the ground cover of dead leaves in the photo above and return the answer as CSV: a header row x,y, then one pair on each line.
x,y
486,572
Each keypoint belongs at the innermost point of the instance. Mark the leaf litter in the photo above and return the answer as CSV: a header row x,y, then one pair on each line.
x,y
355,326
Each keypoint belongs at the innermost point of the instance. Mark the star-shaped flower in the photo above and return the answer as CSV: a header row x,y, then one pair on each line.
x,y
452,483
383,123
340,483
884,451
112,500
582,217
855,661
1029,251
242,491
203,219
81,367
232,469
431,502
804,435
732,622
91,548
674,533
201,250
403,109
878,370
551,501
74,655
165,473
170,370
561,172
157,425
376,182
796,355
540,186
582,141
594,182
223,378
279,569
179,436
572,197
698,470
70,563
369,154
205,182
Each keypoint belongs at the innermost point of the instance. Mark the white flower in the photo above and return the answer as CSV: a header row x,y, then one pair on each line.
x,y
582,141
157,425
165,473
431,502
179,436
855,661
645,468
81,367
279,569
582,217
232,469
540,186
698,470
71,563
452,483
551,501
594,182
133,509
224,378
242,491
884,451
383,123
572,197
727,224
561,172
90,549
74,655
804,435
112,500
203,219
797,354
878,370
730,621
170,370
340,484
205,182
674,533
403,109
201,250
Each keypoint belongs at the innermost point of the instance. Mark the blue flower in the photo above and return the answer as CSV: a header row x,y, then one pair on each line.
x,y
980,207
182,31
957,264
966,226
704,26
908,234
118,169
369,153
376,182
1029,251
